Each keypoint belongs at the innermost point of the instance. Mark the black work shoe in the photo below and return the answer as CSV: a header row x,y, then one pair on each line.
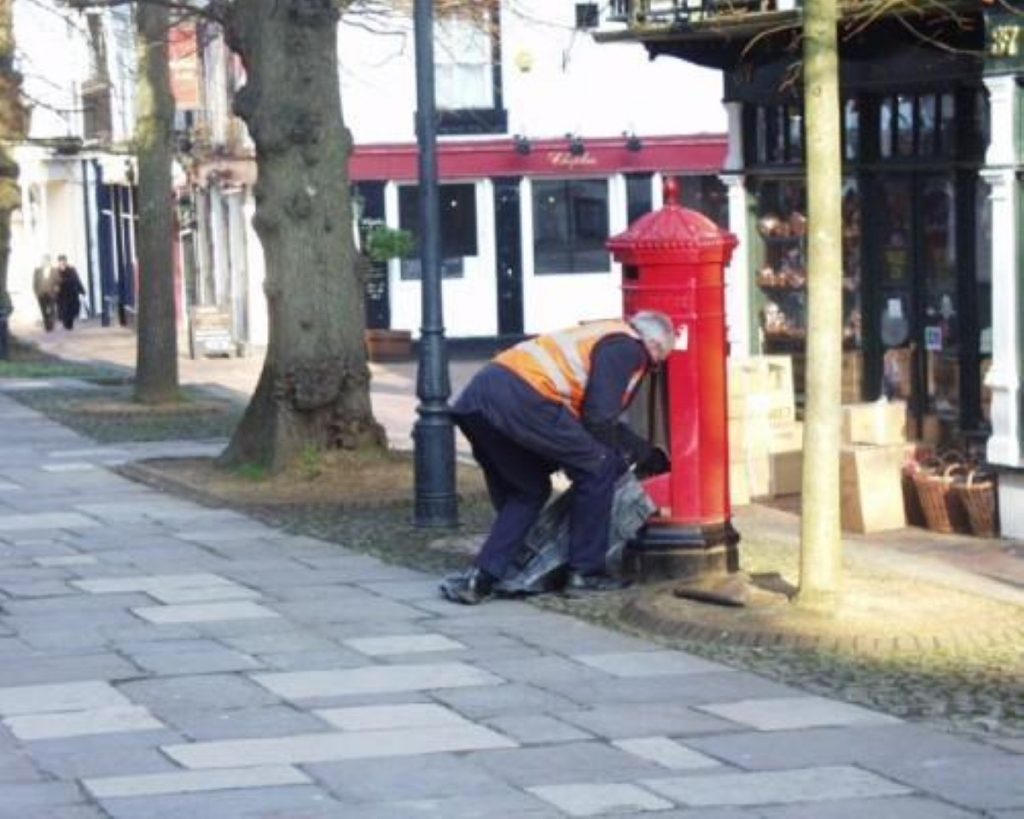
x,y
578,582
468,588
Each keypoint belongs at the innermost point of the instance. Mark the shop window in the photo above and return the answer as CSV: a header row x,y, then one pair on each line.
x,y
776,133
457,217
706,194
794,133
851,129
587,15
467,71
639,200
885,129
570,226
983,297
904,110
947,124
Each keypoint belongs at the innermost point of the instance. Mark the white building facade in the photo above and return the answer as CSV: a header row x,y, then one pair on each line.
x,y
76,171
548,145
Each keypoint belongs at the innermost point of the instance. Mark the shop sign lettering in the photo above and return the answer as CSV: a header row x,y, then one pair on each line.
x,y
564,159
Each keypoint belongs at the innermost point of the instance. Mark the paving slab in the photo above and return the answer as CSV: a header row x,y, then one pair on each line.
x,y
668,753
878,746
333,607
204,692
71,466
149,583
509,699
179,782
901,807
104,754
389,717
983,782
279,802
633,720
403,644
241,723
306,748
205,612
819,784
209,594
65,560
50,699
536,729
42,799
631,664
171,663
110,720
565,763
406,778
374,679
787,713
595,798
46,521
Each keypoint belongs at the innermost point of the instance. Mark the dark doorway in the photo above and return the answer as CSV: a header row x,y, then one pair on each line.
x,y
509,256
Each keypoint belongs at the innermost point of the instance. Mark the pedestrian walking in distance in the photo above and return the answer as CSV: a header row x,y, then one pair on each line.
x,y
69,293
45,288
555,402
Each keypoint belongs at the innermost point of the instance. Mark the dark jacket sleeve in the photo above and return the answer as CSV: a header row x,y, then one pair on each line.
x,y
615,360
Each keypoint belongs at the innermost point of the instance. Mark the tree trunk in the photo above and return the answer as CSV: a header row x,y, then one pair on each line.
x,y
156,372
12,129
820,530
314,390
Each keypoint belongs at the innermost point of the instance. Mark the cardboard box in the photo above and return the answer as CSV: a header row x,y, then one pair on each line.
x,y
785,473
852,377
780,375
748,438
761,385
871,489
785,437
880,423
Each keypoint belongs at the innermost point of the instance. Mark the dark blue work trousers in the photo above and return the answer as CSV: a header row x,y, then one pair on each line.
x,y
519,438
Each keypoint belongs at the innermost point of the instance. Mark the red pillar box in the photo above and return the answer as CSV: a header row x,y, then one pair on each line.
x,y
674,261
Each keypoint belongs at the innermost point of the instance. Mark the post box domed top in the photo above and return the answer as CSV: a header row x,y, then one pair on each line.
x,y
673,230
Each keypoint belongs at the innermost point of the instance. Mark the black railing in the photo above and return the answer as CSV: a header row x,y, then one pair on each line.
x,y
672,12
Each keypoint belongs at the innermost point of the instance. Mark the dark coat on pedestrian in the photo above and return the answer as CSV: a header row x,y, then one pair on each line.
x,y
69,296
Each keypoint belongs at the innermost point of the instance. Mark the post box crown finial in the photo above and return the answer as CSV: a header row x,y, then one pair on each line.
x,y
670,191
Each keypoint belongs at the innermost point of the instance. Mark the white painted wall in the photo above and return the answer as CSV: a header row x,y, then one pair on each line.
x,y
573,84
53,56
53,59
470,302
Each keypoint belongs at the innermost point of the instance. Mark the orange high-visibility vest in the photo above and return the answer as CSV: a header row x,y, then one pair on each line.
x,y
557,365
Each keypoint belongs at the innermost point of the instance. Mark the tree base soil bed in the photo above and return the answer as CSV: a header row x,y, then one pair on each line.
x,y
343,478
134,409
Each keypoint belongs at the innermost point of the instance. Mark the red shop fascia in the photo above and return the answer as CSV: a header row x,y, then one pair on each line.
x,y
478,159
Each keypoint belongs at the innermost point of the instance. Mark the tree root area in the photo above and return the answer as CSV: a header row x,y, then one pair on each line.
x,y
344,478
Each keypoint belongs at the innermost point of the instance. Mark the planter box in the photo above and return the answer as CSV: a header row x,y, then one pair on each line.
x,y
388,345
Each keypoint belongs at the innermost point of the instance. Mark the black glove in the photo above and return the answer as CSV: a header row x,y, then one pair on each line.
x,y
655,462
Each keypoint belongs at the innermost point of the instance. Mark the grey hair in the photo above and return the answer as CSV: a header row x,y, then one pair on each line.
x,y
654,326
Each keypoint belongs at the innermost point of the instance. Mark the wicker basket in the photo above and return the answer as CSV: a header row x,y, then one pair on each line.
x,y
943,510
911,500
978,496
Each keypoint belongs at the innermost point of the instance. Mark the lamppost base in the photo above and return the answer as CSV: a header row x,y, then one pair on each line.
x,y
666,550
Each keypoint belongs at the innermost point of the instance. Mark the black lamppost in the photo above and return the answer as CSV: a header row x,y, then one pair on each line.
x,y
433,434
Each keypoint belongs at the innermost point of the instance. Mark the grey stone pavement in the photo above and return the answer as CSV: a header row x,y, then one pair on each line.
x,y
163,659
